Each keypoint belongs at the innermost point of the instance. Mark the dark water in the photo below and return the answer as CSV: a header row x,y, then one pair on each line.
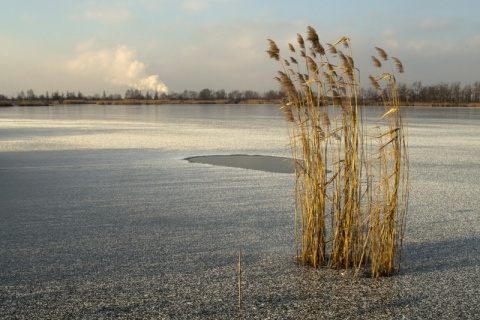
x,y
253,162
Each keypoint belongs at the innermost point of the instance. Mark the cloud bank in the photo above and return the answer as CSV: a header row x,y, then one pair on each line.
x,y
117,66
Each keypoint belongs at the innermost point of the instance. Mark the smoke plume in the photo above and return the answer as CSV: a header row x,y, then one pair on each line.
x,y
118,67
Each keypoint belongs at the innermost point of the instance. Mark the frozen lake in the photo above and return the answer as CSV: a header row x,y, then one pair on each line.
x,y
102,216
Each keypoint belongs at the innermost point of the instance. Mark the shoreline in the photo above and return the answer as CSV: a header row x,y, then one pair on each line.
x,y
41,103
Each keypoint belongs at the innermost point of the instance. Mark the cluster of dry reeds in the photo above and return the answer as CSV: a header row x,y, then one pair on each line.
x,y
351,185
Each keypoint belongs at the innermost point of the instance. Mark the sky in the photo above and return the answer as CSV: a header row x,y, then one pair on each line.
x,y
175,45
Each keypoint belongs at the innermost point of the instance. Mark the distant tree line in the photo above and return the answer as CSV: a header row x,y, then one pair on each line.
x,y
135,94
441,93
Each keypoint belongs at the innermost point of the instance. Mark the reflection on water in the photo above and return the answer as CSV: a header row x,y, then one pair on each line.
x,y
192,113
227,129
148,113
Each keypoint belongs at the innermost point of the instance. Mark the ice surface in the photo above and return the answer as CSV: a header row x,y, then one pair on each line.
x,y
102,217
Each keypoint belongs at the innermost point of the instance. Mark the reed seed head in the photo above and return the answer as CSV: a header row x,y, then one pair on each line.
x,y
291,47
331,48
301,78
328,78
312,66
287,84
382,54
352,63
273,51
287,111
344,41
300,41
312,36
374,82
398,64
345,61
385,76
376,62
330,68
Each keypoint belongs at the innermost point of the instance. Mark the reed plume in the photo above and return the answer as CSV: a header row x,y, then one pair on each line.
x,y
398,64
351,186
376,62
273,50
382,53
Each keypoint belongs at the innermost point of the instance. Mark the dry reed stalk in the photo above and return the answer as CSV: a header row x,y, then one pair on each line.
x,y
240,282
355,216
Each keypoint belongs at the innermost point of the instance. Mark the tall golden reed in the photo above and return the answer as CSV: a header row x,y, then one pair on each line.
x,y
351,186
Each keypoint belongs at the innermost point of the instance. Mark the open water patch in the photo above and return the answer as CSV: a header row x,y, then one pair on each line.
x,y
252,162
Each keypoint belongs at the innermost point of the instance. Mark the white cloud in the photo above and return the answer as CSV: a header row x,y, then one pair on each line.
x,y
389,32
393,44
107,14
115,66
429,48
194,5
199,5
433,24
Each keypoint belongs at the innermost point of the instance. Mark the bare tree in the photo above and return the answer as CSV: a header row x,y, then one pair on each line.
x,y
416,89
455,92
467,93
21,95
476,91
250,94
31,95
205,94
402,91
270,95
221,94
235,96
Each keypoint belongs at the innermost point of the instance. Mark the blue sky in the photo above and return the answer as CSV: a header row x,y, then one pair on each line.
x,y
92,46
